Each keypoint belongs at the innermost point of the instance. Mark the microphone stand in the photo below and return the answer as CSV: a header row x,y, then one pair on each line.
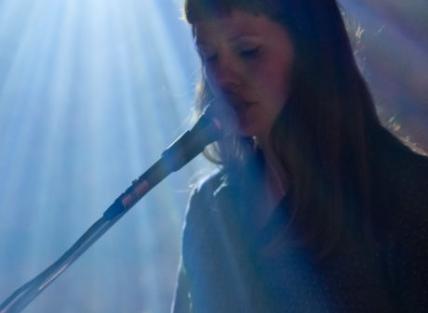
x,y
179,153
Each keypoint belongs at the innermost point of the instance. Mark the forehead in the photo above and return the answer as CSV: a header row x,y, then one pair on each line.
x,y
232,25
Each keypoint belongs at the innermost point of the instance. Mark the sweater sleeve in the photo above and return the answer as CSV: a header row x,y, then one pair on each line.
x,y
193,234
182,300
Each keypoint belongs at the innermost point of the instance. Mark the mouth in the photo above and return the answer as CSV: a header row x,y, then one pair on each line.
x,y
235,110
240,105
241,110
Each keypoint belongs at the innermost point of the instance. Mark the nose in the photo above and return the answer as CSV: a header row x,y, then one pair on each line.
x,y
224,74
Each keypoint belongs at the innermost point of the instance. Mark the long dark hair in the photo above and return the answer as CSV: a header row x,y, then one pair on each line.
x,y
328,134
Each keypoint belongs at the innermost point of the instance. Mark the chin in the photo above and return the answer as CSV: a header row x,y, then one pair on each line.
x,y
249,131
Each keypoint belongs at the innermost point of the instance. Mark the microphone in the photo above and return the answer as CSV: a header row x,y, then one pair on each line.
x,y
206,130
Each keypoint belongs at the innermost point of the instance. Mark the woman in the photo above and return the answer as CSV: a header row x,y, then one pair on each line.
x,y
315,206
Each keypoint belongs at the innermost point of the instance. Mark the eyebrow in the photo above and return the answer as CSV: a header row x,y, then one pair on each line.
x,y
245,36
200,43
236,37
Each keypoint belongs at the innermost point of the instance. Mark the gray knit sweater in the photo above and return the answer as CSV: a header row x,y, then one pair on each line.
x,y
224,268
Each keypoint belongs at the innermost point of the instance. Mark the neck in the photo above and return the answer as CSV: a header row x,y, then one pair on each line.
x,y
276,177
274,184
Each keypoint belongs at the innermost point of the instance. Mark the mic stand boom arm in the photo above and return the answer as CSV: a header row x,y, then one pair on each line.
x,y
173,158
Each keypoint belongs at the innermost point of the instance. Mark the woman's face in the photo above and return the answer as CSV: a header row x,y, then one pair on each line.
x,y
247,61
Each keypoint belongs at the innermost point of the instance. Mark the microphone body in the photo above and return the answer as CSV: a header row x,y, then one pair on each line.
x,y
180,152
186,147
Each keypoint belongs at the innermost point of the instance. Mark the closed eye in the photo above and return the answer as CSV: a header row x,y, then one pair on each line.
x,y
207,56
210,58
249,53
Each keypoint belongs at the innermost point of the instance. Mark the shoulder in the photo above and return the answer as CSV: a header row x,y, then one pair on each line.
x,y
203,200
401,176
207,224
411,212
402,183
410,231
410,180
205,190
401,187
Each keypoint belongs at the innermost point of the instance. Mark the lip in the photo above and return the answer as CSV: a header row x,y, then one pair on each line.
x,y
241,106
237,106
238,103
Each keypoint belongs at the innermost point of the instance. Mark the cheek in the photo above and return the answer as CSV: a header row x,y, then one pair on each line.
x,y
274,81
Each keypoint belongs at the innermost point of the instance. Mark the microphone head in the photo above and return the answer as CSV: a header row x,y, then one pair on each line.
x,y
223,117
